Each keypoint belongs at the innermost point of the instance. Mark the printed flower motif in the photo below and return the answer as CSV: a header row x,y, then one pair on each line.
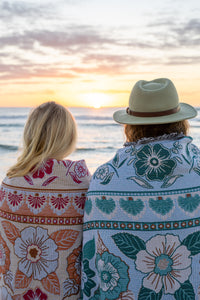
x,y
4,294
37,295
80,201
87,282
102,172
14,200
46,169
59,202
113,274
153,162
80,169
166,262
74,265
36,202
177,147
4,256
37,252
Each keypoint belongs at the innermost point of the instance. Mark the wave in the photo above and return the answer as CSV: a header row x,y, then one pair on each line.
x,y
14,117
12,125
8,147
94,149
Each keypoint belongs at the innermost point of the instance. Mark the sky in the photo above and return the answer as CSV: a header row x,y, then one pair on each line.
x,y
92,52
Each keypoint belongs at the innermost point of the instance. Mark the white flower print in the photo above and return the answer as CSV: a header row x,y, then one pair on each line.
x,y
102,172
166,262
37,252
80,169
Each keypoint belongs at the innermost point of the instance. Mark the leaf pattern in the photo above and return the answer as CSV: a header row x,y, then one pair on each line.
x,y
122,162
197,170
70,287
185,292
64,238
89,249
28,179
116,160
75,177
126,296
11,231
49,180
129,244
170,180
192,242
21,280
8,279
51,284
141,182
147,294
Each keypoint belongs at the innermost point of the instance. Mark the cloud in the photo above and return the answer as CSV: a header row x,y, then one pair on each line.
x,y
175,34
11,71
10,10
183,60
71,38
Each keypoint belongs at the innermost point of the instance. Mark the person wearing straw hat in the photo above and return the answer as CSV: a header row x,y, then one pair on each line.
x,y
141,236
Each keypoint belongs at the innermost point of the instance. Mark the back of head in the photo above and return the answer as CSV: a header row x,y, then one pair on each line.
x,y
50,132
154,109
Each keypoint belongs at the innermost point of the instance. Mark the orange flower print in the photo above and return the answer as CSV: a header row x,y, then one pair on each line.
x,y
74,265
4,256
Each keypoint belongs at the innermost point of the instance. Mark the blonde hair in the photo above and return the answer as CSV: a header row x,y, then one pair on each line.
x,y
50,132
136,132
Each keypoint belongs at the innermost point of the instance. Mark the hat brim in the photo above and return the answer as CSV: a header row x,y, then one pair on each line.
x,y
186,112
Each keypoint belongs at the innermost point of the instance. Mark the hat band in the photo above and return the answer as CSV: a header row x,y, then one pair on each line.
x,y
152,114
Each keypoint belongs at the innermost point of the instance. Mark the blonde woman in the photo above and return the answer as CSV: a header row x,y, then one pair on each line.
x,y
41,208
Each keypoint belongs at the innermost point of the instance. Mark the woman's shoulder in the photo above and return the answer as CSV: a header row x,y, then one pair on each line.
x,y
55,174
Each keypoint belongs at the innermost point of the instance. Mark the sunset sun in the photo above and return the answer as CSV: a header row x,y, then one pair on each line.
x,y
96,100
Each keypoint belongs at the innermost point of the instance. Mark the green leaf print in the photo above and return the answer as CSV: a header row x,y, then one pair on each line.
x,y
116,160
192,242
122,162
197,170
89,249
185,292
129,244
147,294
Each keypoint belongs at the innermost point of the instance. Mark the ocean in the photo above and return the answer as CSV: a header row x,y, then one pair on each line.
x,y
99,136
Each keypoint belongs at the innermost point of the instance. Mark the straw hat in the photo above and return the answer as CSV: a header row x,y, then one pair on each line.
x,y
154,102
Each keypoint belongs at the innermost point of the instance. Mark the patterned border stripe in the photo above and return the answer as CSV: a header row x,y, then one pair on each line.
x,y
46,190
42,220
154,193
141,226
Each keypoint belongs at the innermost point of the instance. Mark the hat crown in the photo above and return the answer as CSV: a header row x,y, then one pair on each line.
x,y
153,96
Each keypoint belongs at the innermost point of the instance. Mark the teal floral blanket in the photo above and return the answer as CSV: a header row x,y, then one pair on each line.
x,y
141,235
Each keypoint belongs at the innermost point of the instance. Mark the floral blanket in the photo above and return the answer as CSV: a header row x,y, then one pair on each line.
x,y
141,235
41,232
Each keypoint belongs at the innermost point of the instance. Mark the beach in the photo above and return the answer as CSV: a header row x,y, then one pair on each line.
x,y
99,136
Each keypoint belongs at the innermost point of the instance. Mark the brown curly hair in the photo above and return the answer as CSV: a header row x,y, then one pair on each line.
x,y
136,132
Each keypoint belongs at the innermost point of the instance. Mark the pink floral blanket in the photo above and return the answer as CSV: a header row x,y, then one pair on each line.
x,y
41,232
